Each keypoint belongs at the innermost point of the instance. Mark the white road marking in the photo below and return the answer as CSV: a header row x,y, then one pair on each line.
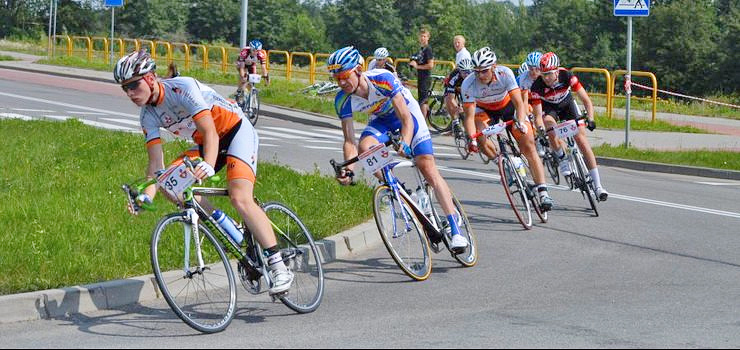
x,y
15,116
124,121
86,113
301,132
69,105
32,110
279,135
719,183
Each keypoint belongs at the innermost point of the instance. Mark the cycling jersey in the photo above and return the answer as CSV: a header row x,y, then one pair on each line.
x,y
453,82
382,87
524,81
249,58
388,65
181,102
557,101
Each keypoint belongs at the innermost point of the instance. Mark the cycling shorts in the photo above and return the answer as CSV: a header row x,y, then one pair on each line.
x,y
237,150
421,143
507,113
566,110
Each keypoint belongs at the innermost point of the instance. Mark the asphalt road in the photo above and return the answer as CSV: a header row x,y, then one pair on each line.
x,y
659,268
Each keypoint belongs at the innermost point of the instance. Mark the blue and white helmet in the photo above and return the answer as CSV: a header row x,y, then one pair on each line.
x,y
256,44
343,59
533,59
524,68
465,64
381,53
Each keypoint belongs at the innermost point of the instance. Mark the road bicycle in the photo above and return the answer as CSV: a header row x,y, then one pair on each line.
x,y
579,178
321,88
437,116
550,159
251,104
411,230
515,175
459,135
193,257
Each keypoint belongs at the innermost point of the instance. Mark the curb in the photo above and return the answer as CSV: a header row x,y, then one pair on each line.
x,y
63,302
669,168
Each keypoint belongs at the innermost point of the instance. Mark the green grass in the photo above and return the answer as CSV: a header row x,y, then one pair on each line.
x,y
64,215
687,108
7,58
602,122
726,160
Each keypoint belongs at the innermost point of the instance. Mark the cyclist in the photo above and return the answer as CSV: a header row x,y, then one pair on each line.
x,y
490,95
452,84
381,61
190,109
552,96
247,64
391,107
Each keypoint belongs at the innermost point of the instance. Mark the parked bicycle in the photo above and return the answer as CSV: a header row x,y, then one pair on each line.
x,y
190,255
321,88
437,116
250,104
515,175
411,228
580,178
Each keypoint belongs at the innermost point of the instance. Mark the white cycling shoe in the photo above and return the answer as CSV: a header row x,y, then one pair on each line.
x,y
564,166
458,242
282,280
602,194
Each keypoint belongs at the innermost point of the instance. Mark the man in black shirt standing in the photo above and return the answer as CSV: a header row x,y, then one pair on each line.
x,y
423,62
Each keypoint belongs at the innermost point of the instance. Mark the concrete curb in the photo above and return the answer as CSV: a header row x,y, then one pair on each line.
x,y
669,168
62,302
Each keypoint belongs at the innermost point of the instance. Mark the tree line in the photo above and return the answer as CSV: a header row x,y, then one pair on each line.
x,y
690,45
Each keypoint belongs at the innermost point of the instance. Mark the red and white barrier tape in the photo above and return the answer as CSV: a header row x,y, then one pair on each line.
x,y
685,96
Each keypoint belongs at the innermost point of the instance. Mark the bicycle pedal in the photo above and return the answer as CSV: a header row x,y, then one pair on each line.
x,y
435,247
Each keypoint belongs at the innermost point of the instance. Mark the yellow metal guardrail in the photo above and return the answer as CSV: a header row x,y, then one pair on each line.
x,y
287,61
311,65
320,69
653,80
608,90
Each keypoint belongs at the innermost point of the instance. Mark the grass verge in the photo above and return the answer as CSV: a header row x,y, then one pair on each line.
x,y
64,212
726,160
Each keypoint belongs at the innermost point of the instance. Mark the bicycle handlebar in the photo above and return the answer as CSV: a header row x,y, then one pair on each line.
x,y
492,129
394,140
579,120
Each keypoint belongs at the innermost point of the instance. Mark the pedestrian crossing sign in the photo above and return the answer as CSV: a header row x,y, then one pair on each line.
x,y
632,8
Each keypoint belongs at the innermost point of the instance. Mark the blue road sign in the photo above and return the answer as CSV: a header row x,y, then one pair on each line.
x,y
632,8
111,3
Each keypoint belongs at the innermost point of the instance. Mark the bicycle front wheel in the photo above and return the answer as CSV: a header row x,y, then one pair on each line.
x,y
253,108
461,143
204,297
437,116
300,256
515,191
469,257
403,235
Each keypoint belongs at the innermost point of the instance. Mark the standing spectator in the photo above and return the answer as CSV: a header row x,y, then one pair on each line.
x,y
423,62
462,52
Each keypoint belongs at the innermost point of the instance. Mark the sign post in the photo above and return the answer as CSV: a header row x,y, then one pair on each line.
x,y
630,8
112,4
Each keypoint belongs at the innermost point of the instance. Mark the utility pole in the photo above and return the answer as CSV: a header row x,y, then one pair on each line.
x,y
243,42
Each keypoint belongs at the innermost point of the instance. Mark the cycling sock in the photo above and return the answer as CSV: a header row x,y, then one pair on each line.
x,y
274,258
595,176
452,220
542,190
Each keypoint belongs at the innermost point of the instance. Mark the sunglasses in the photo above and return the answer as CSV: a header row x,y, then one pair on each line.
x,y
482,71
131,85
343,75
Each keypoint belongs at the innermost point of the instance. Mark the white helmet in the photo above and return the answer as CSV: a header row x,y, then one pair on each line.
x,y
484,58
381,53
134,64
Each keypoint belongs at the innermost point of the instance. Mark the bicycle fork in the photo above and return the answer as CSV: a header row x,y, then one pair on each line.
x,y
191,231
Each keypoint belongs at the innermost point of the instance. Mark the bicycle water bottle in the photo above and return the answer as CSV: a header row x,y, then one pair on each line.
x,y
519,165
424,203
228,225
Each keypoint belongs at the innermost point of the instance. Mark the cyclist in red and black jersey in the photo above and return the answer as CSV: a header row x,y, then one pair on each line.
x,y
247,62
551,95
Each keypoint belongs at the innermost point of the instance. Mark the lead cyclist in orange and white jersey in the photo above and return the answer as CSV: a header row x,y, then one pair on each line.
x,y
191,110
492,94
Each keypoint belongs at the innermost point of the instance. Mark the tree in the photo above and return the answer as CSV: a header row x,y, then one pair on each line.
x,y
153,19
366,25
213,20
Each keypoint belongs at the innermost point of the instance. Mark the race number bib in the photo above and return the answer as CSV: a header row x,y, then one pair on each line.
x,y
254,78
567,129
375,158
175,181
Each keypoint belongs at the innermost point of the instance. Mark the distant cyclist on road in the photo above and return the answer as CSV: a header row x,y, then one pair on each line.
x,y
391,107
551,96
492,95
452,86
382,61
191,110
246,64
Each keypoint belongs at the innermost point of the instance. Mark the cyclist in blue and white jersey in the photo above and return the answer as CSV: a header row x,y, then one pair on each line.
x,y
391,108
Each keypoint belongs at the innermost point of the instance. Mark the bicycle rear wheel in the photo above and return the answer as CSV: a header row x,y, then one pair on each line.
x,y
552,166
515,191
461,142
437,116
469,257
204,298
405,240
253,106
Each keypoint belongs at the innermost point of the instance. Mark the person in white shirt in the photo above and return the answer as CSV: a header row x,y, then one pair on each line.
x,y
462,52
